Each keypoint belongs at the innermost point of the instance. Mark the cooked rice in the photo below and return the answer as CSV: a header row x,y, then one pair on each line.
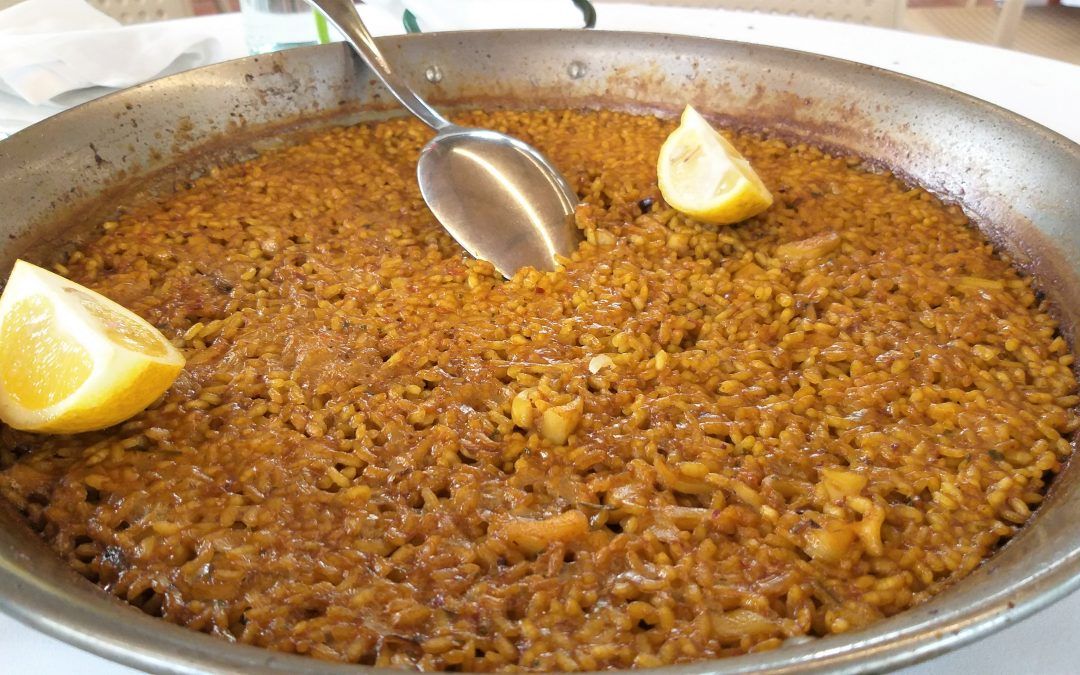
x,y
689,442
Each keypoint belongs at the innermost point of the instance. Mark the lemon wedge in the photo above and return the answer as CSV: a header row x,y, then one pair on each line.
x,y
705,177
72,360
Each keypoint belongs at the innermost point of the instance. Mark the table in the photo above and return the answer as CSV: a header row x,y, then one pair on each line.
x,y
1044,90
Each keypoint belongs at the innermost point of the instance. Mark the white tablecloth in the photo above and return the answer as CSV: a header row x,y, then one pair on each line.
x,y
1040,89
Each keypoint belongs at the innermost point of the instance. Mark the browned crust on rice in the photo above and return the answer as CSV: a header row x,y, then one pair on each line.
x,y
688,442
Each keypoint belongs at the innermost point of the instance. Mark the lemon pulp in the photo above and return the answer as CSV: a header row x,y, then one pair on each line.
x,y
39,365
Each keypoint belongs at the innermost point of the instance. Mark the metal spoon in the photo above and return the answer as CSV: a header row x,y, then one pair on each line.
x,y
498,197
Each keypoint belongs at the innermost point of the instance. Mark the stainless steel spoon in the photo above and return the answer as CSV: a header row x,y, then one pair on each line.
x,y
498,197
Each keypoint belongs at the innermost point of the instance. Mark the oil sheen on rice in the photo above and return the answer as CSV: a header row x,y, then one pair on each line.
x,y
688,442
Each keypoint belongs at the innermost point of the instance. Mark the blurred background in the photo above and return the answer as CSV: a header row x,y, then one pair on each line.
x,y
1049,28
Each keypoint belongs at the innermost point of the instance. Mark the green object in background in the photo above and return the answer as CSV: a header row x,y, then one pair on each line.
x,y
321,28
588,14
408,19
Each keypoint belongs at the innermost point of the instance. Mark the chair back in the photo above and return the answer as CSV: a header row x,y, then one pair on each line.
x,y
141,11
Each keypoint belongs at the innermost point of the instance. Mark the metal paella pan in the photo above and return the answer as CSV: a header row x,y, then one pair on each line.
x,y
1018,178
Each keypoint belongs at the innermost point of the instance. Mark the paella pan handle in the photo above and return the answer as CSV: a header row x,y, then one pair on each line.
x,y
342,14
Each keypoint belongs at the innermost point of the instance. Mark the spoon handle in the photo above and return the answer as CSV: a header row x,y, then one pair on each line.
x,y
342,14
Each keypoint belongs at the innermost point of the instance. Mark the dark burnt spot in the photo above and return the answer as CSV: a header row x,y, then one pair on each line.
x,y
113,556
98,159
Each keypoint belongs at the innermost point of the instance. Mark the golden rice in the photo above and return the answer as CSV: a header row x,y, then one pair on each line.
x,y
689,442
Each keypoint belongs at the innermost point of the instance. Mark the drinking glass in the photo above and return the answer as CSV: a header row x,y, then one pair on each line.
x,y
270,25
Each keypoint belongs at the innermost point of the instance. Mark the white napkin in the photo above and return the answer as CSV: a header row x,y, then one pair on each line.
x,y
55,54
437,15
52,47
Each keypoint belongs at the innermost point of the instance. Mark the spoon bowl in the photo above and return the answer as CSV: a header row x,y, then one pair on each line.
x,y
499,197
